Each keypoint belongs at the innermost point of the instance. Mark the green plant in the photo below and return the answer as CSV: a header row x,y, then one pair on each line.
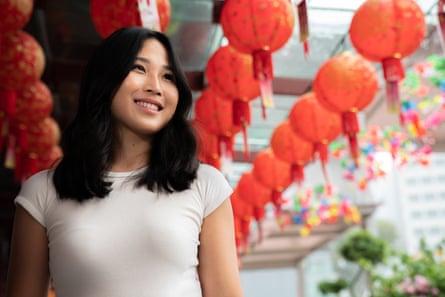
x,y
362,246
327,287
392,273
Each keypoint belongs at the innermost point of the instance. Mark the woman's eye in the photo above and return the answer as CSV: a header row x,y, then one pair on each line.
x,y
169,76
138,67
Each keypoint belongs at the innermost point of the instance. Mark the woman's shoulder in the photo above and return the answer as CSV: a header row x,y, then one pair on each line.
x,y
206,171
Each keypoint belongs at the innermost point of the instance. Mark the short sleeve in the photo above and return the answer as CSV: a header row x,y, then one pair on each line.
x,y
34,195
214,187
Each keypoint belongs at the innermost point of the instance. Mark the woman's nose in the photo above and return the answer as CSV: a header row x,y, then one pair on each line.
x,y
153,84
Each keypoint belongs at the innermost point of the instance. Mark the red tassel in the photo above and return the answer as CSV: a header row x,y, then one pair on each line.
x,y
441,17
2,129
9,97
354,149
394,73
297,171
304,26
350,129
22,137
242,117
263,72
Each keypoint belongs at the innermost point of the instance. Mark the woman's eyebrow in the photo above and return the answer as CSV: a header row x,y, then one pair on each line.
x,y
147,61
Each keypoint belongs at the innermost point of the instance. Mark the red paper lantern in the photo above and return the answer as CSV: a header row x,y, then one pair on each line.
x,y
22,60
254,193
346,84
108,16
50,159
215,114
258,28
314,123
34,103
230,74
291,148
386,31
242,213
14,14
43,136
208,147
273,174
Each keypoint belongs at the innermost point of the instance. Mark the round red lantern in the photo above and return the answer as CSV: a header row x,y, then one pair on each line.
x,y
346,84
258,28
43,136
108,16
34,103
215,114
273,174
316,124
208,147
230,74
386,31
14,14
22,60
291,148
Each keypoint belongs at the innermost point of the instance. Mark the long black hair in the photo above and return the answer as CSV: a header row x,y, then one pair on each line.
x,y
88,141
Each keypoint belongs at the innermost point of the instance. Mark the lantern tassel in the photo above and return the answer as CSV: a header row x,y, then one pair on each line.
x,y
226,153
441,17
10,158
148,15
297,171
394,73
304,26
322,150
350,129
242,117
263,71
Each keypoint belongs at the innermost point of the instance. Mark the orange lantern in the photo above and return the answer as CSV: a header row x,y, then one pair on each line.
x,y
208,147
22,60
230,74
215,114
14,14
273,174
291,148
108,16
257,195
316,124
242,213
346,84
258,28
386,31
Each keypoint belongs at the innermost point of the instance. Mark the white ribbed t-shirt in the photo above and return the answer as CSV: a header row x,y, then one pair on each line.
x,y
133,243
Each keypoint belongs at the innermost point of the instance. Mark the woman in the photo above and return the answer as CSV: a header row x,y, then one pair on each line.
x,y
128,211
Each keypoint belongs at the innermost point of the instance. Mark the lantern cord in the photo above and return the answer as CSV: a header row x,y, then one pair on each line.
x,y
441,24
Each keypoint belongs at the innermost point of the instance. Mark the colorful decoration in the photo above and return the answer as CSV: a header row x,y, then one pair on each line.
x,y
292,149
108,16
258,28
386,31
318,205
316,124
230,74
346,84
15,14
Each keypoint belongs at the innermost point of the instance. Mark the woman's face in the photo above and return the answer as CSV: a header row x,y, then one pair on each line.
x,y
147,98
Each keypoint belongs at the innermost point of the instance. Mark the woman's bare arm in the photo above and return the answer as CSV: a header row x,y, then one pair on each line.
x,y
28,273
218,262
